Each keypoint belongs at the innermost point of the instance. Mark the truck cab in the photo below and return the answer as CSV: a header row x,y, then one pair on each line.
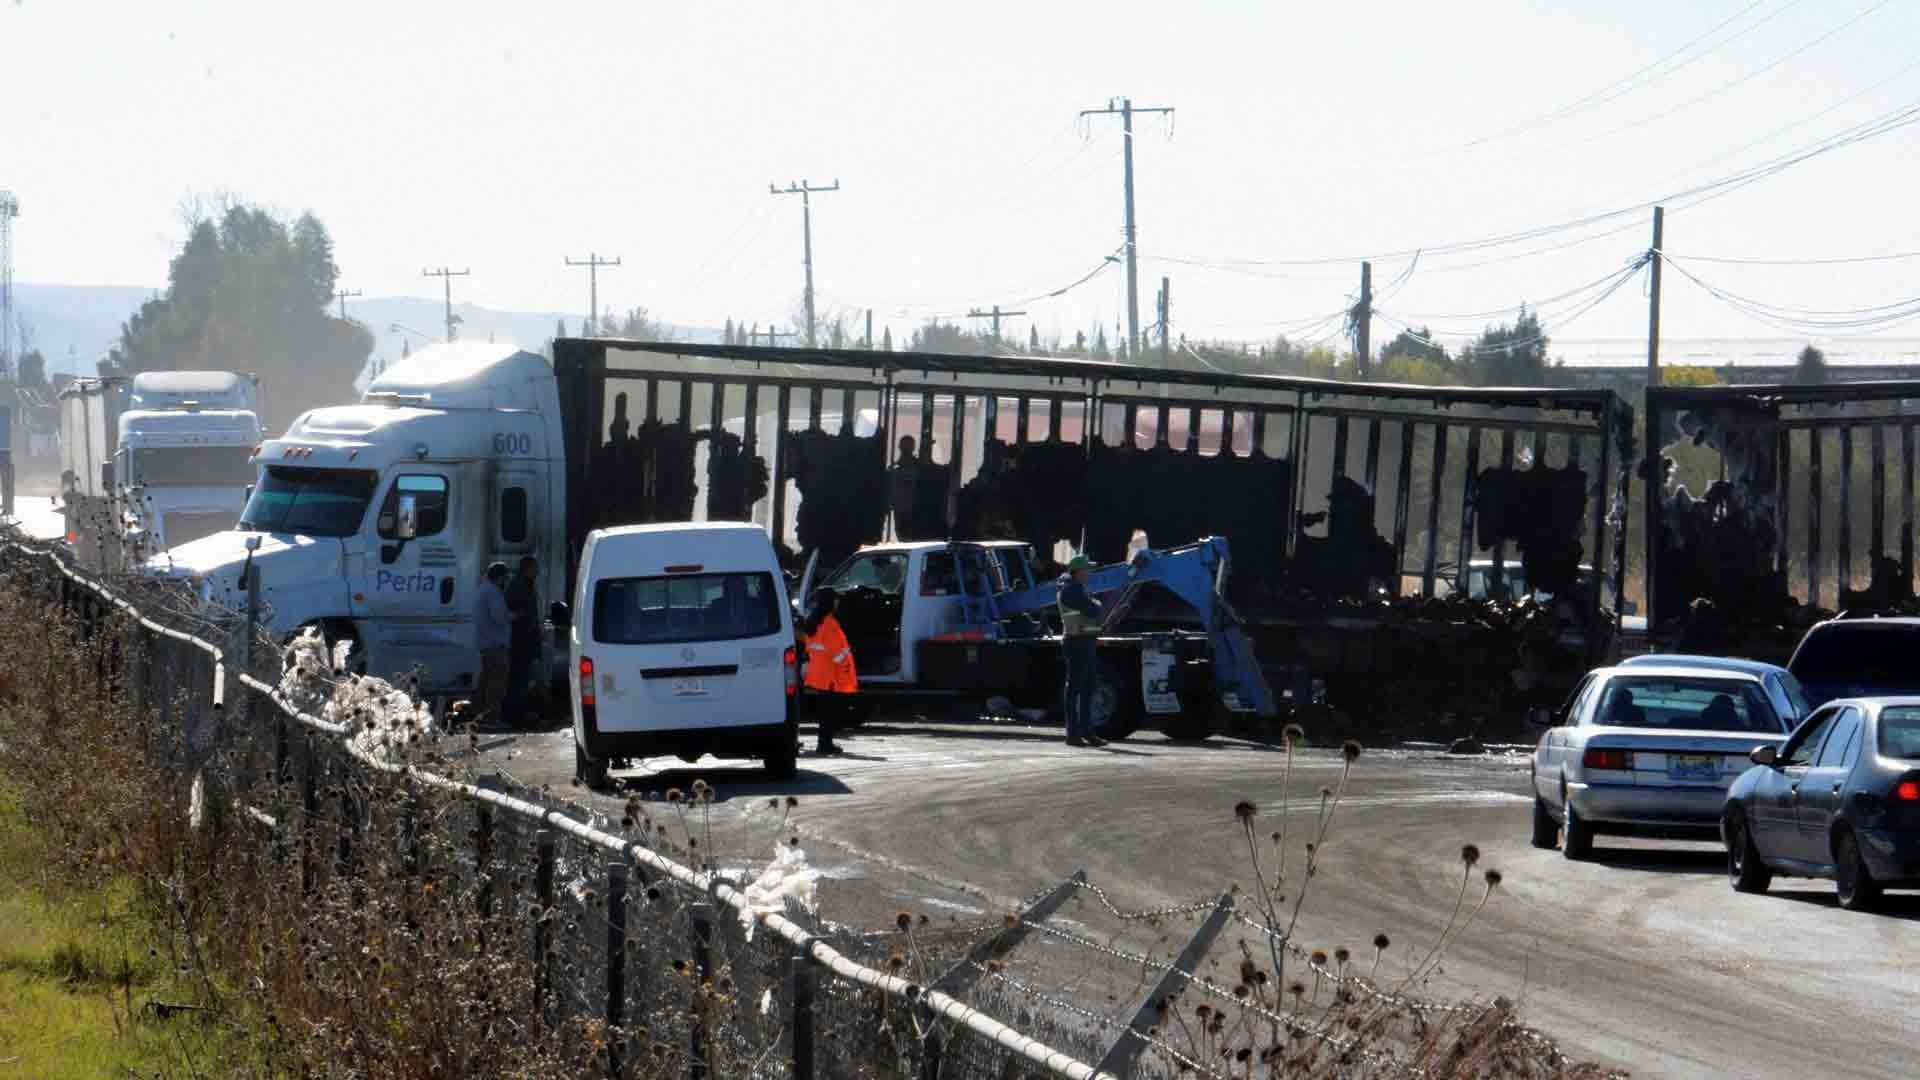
x,y
893,596
183,473
375,522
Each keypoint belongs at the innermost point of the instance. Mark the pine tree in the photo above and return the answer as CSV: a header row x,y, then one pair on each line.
x,y
726,335
886,340
560,329
1033,340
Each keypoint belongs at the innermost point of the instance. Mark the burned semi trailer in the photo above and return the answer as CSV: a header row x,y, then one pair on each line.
x,y
1449,535
1773,507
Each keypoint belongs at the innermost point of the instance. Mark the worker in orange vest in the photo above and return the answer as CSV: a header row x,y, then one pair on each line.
x,y
830,678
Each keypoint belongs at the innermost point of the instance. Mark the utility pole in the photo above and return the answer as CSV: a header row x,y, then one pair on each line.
x,y
593,263
996,315
1653,306
1125,110
869,329
1363,321
342,297
1166,309
446,277
805,190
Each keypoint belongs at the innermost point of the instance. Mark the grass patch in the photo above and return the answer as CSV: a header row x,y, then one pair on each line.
x,y
80,972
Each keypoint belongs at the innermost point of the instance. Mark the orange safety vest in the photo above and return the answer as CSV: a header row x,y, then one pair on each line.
x,y
830,659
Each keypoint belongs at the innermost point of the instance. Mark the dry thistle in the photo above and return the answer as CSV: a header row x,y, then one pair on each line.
x,y
1245,811
1350,750
1341,956
1469,854
1319,958
1293,733
1494,877
904,921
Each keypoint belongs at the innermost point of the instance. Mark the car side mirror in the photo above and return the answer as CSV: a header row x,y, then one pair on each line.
x,y
1540,716
1764,755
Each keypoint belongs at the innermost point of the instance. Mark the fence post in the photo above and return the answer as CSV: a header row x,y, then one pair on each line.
x,y
616,961
483,861
800,969
702,918
933,1047
310,809
543,921
344,865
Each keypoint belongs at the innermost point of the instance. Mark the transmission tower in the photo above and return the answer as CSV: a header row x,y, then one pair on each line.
x,y
9,209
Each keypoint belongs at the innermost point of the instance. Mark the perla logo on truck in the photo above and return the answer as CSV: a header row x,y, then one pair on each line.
x,y
418,581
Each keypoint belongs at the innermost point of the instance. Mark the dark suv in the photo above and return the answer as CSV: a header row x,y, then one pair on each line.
x,y
1858,657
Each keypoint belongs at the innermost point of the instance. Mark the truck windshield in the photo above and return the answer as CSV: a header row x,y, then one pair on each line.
x,y
201,466
313,502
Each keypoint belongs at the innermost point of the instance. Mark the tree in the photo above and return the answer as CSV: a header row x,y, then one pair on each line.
x,y
1509,355
1033,340
636,325
1415,345
1100,350
249,292
559,329
33,370
726,335
1811,366
886,339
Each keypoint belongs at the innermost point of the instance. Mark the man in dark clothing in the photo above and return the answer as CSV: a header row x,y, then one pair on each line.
x,y
1081,617
523,603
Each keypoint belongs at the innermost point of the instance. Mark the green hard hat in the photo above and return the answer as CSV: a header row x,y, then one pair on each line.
x,y
1079,562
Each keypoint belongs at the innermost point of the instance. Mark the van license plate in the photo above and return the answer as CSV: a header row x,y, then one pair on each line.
x,y
689,687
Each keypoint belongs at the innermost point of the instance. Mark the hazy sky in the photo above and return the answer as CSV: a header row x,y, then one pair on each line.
x,y
503,137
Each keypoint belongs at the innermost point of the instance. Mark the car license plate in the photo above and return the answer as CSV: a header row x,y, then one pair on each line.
x,y
689,687
1693,767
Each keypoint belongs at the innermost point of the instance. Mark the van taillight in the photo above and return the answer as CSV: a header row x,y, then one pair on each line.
x,y
1603,757
1907,791
586,682
792,661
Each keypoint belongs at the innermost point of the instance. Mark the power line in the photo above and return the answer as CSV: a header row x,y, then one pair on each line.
x,y
1843,260
1625,85
1748,77
594,263
1559,322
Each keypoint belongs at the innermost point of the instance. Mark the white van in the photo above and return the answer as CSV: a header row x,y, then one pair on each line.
x,y
683,644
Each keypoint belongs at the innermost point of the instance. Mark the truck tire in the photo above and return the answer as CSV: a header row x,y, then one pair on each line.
x,y
1116,700
783,762
333,633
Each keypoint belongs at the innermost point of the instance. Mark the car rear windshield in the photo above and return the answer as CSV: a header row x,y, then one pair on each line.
x,y
1900,732
685,607
1862,654
1685,704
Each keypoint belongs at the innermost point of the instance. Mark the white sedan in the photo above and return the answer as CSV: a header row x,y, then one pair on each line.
x,y
1647,750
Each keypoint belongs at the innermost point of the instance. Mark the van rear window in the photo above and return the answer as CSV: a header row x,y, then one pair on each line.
x,y
685,607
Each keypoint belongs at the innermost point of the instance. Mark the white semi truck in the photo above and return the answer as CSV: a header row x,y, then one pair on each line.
x,y
373,522
155,461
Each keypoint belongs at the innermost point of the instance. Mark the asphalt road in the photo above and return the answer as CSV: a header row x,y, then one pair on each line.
x,y
1642,959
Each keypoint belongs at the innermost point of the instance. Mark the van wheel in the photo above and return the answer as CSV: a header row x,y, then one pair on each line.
x,y
588,771
782,764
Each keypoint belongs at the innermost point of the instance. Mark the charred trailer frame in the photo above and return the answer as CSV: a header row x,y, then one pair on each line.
x,y
1806,507
1407,483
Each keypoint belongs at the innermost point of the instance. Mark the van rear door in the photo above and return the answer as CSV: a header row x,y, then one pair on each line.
x,y
690,650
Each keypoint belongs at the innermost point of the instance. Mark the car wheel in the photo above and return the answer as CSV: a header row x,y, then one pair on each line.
x,y
1745,871
589,772
1851,880
1577,844
782,764
1546,831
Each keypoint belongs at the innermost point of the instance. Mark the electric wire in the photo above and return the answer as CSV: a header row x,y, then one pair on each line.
x,y
1559,323
1742,80
1861,320
1895,256
1626,85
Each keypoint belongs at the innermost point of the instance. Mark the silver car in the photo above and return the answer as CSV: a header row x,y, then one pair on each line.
x,y
1647,750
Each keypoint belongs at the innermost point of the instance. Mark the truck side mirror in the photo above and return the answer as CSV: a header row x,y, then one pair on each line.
x,y
106,475
408,524
560,615
249,496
